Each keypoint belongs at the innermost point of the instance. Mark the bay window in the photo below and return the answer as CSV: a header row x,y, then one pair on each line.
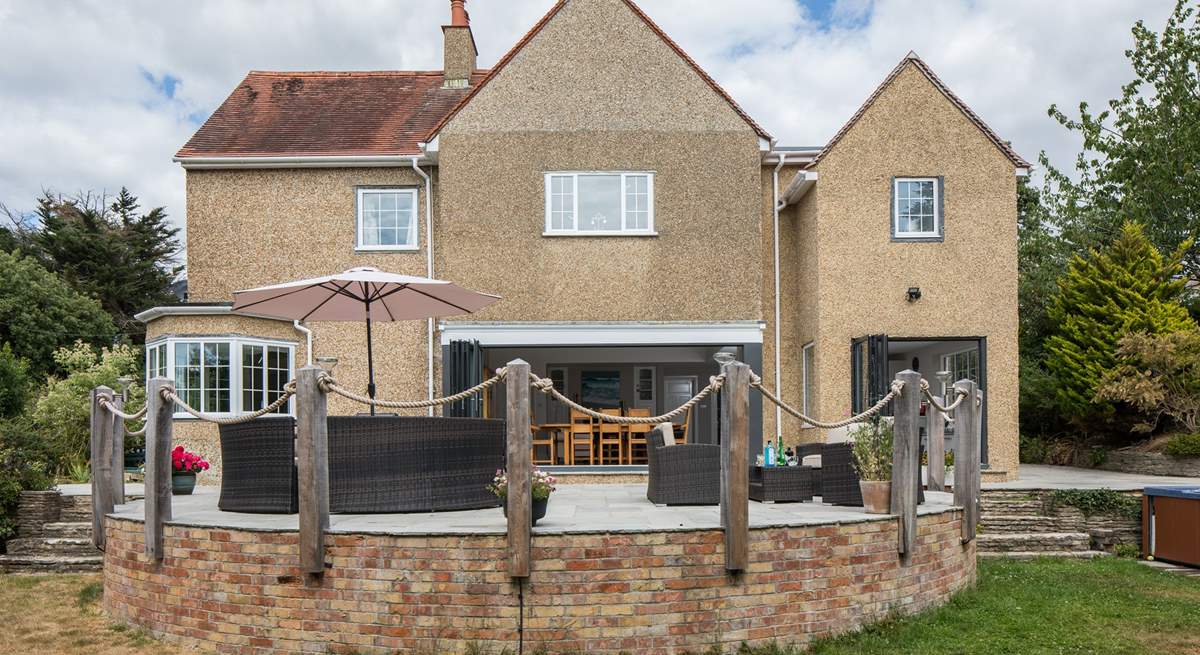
x,y
223,375
599,203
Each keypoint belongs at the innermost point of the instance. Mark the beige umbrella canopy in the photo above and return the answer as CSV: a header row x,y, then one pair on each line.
x,y
362,294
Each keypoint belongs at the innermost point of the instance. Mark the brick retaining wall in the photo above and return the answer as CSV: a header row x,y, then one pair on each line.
x,y
650,592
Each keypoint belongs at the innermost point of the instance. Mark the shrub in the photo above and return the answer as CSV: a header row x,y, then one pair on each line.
x,y
22,468
873,450
1128,287
1183,445
62,415
14,383
1096,501
1160,376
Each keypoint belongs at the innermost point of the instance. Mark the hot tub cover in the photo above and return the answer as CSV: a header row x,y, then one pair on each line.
x,y
1188,492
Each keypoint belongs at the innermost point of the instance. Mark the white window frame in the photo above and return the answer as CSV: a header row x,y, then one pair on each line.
x,y
235,367
805,376
549,230
937,209
414,228
947,366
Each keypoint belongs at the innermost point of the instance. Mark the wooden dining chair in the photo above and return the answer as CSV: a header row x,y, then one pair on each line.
x,y
545,439
681,431
636,444
611,438
579,438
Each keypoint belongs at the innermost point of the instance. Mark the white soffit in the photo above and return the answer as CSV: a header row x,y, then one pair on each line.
x,y
602,334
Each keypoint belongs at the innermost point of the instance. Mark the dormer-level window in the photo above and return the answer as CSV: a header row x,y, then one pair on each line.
x,y
599,203
917,208
387,219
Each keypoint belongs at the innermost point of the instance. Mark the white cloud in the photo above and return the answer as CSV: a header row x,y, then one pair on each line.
x,y
78,112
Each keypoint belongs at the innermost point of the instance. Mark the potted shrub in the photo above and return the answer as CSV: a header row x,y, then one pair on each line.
x,y
184,467
873,460
542,487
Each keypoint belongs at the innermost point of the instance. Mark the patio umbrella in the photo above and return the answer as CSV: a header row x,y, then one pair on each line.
x,y
361,294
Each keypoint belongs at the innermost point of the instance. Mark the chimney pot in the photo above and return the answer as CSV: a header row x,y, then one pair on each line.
x,y
458,14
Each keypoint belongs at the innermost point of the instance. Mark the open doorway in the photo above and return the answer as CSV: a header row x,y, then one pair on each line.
x,y
876,359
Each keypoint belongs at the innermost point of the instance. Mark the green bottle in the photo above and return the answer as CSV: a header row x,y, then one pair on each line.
x,y
780,459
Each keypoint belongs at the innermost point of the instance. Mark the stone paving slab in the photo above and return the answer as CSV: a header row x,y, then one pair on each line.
x,y
1035,476
574,509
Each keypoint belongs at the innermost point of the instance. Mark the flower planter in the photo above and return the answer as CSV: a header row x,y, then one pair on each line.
x,y
539,509
877,496
182,484
135,458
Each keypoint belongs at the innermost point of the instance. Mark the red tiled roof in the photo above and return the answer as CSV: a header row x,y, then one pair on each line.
x,y
912,57
298,114
546,19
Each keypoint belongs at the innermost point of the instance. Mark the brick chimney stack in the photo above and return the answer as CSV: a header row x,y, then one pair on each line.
x,y
459,50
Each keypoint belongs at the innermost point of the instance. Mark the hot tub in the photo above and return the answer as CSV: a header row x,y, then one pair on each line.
x,y
1171,524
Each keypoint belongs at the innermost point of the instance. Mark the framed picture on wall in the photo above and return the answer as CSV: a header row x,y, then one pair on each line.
x,y
600,388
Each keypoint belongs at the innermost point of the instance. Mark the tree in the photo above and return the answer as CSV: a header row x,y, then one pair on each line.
x,y
111,252
62,414
14,383
1141,155
39,313
1128,287
1160,375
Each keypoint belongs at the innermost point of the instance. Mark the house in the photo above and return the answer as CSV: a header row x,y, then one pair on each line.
x,y
634,218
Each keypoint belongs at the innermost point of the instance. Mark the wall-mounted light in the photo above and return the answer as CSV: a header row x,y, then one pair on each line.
x,y
914,294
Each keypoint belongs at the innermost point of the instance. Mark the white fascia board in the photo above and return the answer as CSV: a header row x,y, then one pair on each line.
x,y
348,161
196,310
603,334
1022,171
800,185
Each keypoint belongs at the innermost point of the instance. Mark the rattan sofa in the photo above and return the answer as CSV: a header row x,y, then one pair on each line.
x,y
258,470
683,474
377,464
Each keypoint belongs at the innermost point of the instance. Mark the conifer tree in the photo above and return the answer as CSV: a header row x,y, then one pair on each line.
x,y
1128,287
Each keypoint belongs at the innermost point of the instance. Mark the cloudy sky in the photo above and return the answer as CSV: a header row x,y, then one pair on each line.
x,y
96,94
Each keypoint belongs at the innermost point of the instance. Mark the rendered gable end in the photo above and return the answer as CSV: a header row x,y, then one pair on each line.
x,y
596,63
968,281
596,88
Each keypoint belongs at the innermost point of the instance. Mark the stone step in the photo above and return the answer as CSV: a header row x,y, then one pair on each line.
x,y
1028,524
52,546
1034,542
1027,554
68,529
50,563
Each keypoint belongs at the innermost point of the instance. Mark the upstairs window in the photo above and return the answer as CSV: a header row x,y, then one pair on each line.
x,y
916,208
387,219
599,203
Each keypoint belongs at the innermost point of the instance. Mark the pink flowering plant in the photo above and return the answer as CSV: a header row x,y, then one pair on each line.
x,y
543,484
183,461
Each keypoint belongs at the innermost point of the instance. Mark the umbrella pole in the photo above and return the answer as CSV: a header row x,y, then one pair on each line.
x,y
370,361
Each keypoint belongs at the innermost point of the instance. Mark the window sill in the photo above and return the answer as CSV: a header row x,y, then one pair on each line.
x,y
922,238
387,249
601,233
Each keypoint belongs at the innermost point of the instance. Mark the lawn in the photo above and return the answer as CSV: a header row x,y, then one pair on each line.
x,y
1059,607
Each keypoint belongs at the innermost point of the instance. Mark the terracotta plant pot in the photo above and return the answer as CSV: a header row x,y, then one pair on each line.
x,y
877,496
182,484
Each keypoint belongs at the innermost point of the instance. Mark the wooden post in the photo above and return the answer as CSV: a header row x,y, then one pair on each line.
x,y
906,462
118,452
312,470
936,477
159,416
735,465
520,469
966,457
101,463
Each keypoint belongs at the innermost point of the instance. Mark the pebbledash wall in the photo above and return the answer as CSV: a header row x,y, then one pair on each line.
x,y
662,592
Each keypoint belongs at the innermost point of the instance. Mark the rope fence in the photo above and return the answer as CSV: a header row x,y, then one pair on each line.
x,y
546,386
328,384
897,386
289,390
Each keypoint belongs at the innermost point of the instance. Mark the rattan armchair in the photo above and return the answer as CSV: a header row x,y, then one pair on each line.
x,y
684,474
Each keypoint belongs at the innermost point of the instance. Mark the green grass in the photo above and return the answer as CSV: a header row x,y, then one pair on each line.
x,y
1060,607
